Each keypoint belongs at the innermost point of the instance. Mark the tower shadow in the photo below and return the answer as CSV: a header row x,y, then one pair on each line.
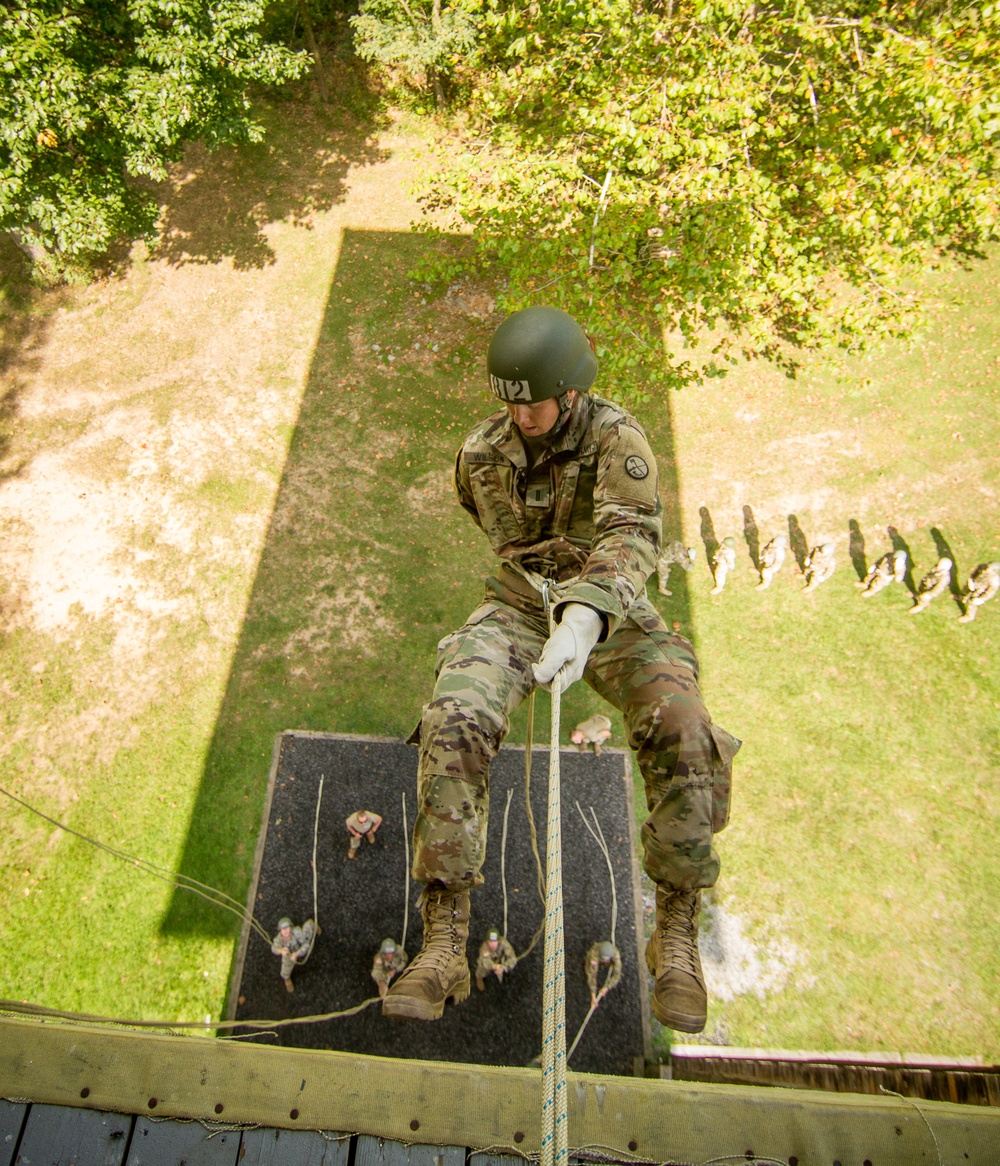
x,y
797,541
752,536
856,549
708,536
944,551
900,544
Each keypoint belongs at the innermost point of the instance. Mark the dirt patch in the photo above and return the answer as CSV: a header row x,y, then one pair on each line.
x,y
735,964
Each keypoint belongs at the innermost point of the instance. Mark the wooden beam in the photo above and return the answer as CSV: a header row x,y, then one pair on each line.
x,y
483,1108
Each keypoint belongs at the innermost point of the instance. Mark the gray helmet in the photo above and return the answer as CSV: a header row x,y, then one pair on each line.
x,y
284,922
388,946
539,353
606,952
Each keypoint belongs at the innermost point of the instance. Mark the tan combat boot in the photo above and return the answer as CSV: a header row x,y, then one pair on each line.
x,y
439,972
679,997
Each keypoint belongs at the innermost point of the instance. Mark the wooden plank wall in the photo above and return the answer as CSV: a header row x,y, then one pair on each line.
x,y
970,1086
57,1135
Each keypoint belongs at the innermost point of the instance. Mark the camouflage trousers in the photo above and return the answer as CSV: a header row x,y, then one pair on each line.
x,y
645,671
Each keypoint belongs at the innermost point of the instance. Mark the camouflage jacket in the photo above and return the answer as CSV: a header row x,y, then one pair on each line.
x,y
587,513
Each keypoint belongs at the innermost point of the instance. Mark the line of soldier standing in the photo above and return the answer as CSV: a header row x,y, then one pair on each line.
x,y
820,563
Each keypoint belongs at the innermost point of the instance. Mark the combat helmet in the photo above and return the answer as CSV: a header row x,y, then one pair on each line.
x,y
284,922
492,934
606,952
539,353
388,947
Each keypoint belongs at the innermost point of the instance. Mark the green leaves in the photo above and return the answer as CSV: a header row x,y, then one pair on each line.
x,y
93,98
798,160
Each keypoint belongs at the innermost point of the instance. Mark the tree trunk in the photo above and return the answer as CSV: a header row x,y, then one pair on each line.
x,y
435,76
321,85
33,251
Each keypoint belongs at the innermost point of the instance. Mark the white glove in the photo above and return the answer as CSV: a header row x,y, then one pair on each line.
x,y
567,649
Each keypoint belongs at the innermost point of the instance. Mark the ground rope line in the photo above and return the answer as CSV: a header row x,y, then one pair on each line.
x,y
503,859
406,892
614,908
22,1008
226,902
312,944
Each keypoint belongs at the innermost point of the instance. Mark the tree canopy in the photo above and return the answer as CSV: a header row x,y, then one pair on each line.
x,y
773,171
99,93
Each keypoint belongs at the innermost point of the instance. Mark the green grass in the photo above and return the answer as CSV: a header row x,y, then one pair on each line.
x,y
865,822
274,499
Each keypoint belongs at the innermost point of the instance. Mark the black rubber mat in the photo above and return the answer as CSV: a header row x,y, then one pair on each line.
x,y
361,902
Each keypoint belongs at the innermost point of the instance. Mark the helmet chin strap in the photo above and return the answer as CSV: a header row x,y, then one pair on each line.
x,y
565,408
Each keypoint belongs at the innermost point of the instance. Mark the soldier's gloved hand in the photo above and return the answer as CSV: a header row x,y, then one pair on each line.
x,y
567,649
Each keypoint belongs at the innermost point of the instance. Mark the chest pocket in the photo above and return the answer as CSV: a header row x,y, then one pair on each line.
x,y
565,494
494,505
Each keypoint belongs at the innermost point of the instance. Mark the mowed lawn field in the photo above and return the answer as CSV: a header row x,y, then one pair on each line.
x,y
225,511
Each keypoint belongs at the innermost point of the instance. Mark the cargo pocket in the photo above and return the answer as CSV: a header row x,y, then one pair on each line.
x,y
458,636
724,748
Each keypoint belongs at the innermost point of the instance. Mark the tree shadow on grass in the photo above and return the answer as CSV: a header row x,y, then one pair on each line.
x,y
856,549
220,204
367,562
944,551
23,334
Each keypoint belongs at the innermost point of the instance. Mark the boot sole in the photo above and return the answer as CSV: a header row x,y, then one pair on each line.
x,y
678,1021
402,1007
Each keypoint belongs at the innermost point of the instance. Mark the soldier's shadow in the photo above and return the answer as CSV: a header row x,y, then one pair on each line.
x,y
752,536
900,544
944,551
708,536
797,541
856,549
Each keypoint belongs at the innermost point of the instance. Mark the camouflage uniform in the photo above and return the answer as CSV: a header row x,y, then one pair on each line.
x,y
984,583
592,966
723,561
586,516
932,585
300,940
675,554
819,565
890,568
385,965
504,957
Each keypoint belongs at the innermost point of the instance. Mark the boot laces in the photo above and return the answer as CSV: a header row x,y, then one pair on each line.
x,y
439,926
678,937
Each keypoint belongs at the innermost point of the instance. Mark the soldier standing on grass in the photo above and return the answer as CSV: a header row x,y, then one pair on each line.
x,y
564,486
984,583
723,561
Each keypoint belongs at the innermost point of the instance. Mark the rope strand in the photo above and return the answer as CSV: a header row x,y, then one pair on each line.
x,y
177,880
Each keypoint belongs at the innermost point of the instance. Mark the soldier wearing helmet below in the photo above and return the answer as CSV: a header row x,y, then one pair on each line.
x,y
293,944
496,956
390,959
564,486
602,955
